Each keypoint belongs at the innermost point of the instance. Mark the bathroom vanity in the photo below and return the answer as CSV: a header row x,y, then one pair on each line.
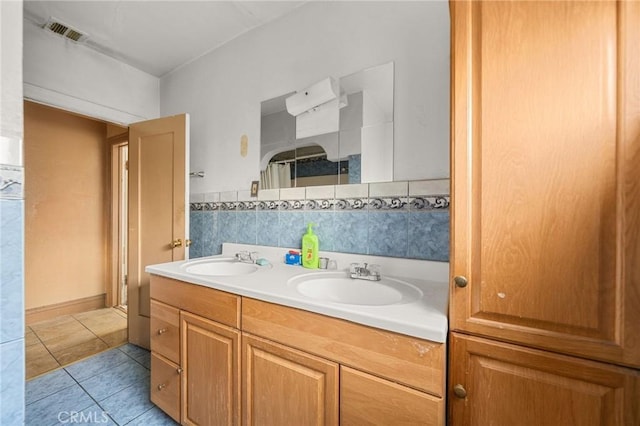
x,y
252,349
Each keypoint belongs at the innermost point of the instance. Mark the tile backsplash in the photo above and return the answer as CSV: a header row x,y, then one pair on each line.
x,y
397,219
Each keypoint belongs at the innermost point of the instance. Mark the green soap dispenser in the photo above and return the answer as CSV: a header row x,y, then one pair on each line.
x,y
310,247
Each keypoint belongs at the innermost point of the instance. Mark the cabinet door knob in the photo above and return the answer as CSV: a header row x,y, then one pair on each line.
x,y
179,370
176,243
162,331
161,386
460,391
460,281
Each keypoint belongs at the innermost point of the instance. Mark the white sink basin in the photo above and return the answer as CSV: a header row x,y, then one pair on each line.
x,y
337,287
226,266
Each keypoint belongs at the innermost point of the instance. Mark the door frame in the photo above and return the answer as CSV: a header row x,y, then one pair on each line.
x,y
113,144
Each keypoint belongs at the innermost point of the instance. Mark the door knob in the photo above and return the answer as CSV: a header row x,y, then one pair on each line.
x,y
460,391
187,242
176,243
460,281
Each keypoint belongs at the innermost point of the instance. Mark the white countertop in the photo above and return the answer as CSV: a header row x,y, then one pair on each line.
x,y
424,318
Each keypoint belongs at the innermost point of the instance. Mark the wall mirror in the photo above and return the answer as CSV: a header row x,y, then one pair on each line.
x,y
358,148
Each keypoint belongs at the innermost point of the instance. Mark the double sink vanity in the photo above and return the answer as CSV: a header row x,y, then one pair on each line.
x,y
242,343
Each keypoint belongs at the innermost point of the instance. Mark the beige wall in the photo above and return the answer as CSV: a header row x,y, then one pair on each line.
x,y
66,212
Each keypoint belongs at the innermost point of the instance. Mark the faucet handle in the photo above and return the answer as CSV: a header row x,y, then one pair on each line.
x,y
374,269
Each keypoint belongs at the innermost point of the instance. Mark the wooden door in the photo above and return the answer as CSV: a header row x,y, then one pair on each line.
x,y
508,385
210,354
158,221
284,386
545,176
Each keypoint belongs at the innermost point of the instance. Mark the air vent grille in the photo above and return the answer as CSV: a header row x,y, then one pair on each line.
x,y
55,26
58,28
74,35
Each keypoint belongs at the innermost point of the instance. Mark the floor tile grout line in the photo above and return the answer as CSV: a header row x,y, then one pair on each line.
x,y
47,349
59,390
64,368
60,364
143,413
87,327
55,358
93,399
98,403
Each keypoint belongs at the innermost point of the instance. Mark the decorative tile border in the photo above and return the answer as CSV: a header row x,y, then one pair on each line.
x,y
415,204
11,182
388,203
390,196
430,202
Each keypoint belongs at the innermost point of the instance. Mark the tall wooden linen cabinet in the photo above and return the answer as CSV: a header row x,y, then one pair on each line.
x,y
545,261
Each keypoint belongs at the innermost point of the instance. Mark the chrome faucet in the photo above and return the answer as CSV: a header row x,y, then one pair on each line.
x,y
247,256
366,272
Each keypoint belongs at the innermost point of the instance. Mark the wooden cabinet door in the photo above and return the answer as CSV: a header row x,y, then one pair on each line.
x,y
508,385
370,400
545,176
284,386
211,378
165,385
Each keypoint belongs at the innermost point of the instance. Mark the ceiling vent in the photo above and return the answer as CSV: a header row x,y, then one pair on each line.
x,y
55,26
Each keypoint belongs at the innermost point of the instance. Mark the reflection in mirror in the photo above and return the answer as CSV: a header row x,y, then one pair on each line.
x,y
361,151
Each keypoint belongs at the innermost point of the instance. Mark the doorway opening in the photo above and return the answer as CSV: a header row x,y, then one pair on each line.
x,y
119,194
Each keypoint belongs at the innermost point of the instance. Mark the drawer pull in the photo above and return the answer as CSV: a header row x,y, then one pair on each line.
x,y
162,331
460,391
460,281
179,370
162,386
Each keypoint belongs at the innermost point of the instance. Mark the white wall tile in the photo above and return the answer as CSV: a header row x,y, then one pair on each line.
x,y
269,194
10,151
196,198
229,196
211,197
429,187
325,192
292,193
359,190
388,189
245,195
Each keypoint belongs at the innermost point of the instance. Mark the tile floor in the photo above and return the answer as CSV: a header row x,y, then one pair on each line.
x,y
60,341
110,388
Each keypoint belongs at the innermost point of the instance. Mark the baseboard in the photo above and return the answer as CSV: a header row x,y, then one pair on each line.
x,y
77,306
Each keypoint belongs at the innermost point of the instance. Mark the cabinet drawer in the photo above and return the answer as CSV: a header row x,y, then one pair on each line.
x,y
408,360
370,400
213,304
165,330
165,385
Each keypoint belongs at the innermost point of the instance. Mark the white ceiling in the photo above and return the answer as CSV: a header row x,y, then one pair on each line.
x,y
157,36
